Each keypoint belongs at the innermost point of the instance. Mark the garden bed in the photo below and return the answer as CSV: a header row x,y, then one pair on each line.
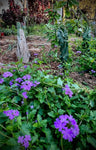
x,y
40,46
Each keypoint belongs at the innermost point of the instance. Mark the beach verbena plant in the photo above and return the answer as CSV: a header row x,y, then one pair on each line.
x,y
34,104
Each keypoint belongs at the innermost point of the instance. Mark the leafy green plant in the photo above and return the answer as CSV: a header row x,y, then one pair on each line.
x,y
58,36
9,30
62,37
86,38
39,103
87,59
36,29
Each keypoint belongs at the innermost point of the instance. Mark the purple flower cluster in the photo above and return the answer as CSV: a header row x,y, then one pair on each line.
x,y
35,62
55,46
11,82
1,81
68,91
67,126
28,84
26,77
7,74
14,70
78,52
24,141
31,106
25,95
19,80
61,74
25,66
11,113
35,54
60,67
93,71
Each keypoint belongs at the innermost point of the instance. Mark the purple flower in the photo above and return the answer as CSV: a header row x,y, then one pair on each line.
x,y
60,66
55,46
35,121
93,71
7,74
11,82
16,84
35,62
26,112
19,80
26,77
20,139
22,102
27,138
78,52
35,54
37,83
31,106
25,67
24,141
25,95
1,81
14,70
67,126
26,144
27,85
11,113
61,74
67,90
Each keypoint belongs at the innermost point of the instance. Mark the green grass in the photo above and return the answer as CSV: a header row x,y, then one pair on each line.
x,y
36,29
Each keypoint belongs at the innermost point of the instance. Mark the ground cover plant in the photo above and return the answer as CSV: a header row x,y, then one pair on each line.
x,y
41,111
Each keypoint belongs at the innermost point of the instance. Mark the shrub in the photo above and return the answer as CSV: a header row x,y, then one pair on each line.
x,y
12,15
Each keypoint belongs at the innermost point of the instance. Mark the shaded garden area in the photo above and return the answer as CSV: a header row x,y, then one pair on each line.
x,y
49,102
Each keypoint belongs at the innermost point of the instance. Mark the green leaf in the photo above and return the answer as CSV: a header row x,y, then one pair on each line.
x,y
44,123
19,121
53,147
34,138
36,125
93,114
92,141
51,114
48,134
39,118
92,103
40,97
25,129
9,128
16,99
51,90
61,111
60,82
32,114
2,102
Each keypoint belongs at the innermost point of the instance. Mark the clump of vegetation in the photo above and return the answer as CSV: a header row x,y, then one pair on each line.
x,y
13,14
31,100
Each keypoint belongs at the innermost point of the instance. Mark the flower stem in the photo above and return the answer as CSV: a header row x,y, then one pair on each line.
x,y
3,127
4,135
62,148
